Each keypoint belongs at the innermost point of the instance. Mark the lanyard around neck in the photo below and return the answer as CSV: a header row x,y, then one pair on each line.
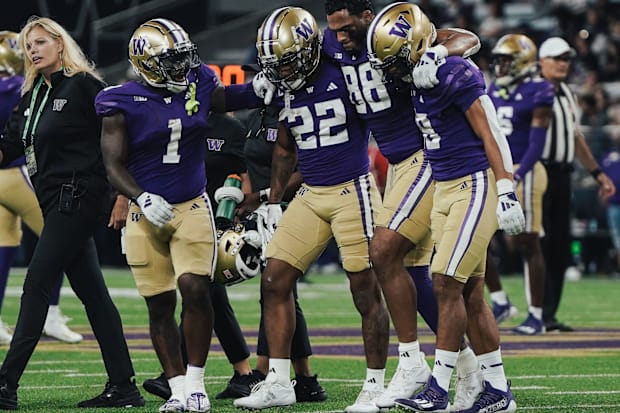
x,y
33,102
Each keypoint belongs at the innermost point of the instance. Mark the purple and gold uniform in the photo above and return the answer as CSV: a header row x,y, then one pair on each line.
x,y
166,157
407,200
339,196
463,217
17,198
515,107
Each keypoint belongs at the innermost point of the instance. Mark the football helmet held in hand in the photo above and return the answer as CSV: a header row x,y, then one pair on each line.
x,y
238,255
11,56
162,54
289,47
397,37
514,57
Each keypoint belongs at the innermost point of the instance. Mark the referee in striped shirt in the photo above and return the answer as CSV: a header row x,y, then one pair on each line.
x,y
564,142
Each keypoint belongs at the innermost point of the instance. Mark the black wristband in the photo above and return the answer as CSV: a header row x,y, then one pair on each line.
x,y
596,172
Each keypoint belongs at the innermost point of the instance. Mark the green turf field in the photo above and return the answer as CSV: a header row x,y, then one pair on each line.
x,y
568,372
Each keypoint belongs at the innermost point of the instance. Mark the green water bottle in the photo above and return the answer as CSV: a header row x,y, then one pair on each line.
x,y
226,208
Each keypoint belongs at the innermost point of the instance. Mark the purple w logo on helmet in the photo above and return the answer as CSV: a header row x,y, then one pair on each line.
x,y
305,29
401,27
137,46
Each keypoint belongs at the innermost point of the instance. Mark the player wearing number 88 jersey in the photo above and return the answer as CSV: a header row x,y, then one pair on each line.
x,y
402,246
320,132
467,152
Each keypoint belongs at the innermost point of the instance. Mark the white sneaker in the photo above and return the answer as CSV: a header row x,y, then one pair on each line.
x,y
172,405
365,402
5,334
56,327
466,390
405,383
268,393
198,402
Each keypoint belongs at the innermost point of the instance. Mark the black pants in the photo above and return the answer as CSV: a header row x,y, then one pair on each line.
x,y
300,346
66,244
557,239
226,326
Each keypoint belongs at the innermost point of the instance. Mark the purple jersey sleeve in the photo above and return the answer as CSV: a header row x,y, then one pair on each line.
x,y
450,144
166,145
10,94
386,109
515,109
332,142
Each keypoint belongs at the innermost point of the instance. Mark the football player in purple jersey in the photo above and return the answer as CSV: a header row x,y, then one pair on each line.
x,y
320,132
17,199
402,246
472,167
524,104
153,145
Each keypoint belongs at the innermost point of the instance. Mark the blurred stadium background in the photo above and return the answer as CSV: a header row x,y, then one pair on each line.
x,y
225,33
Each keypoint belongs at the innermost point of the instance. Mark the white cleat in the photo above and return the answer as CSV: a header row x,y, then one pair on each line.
x,y
172,405
56,327
467,389
268,393
404,384
198,402
5,334
365,402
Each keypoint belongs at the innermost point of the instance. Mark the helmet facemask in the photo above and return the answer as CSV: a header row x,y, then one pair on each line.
x,y
162,55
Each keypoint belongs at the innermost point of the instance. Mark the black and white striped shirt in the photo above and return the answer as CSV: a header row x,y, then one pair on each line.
x,y
560,145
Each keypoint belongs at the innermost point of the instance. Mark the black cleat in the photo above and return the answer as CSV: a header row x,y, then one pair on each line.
x,y
115,395
308,389
241,385
8,398
158,386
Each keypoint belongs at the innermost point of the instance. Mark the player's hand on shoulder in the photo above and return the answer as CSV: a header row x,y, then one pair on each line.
x,y
155,208
263,88
510,215
425,70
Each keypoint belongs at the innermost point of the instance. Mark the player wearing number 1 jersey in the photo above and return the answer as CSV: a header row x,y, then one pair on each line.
x,y
320,132
402,245
153,145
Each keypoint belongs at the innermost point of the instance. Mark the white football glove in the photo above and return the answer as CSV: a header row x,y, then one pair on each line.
x,y
253,238
425,71
155,208
261,226
263,88
274,213
228,192
509,213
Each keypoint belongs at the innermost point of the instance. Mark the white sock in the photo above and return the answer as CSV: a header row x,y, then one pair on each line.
x,y
194,380
177,387
409,355
444,365
493,369
375,379
536,312
466,362
282,369
499,297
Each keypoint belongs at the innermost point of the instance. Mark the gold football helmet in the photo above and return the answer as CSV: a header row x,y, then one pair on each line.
x,y
289,47
514,57
11,56
162,54
238,259
397,37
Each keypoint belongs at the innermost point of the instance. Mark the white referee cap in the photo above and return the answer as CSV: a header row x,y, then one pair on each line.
x,y
555,46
